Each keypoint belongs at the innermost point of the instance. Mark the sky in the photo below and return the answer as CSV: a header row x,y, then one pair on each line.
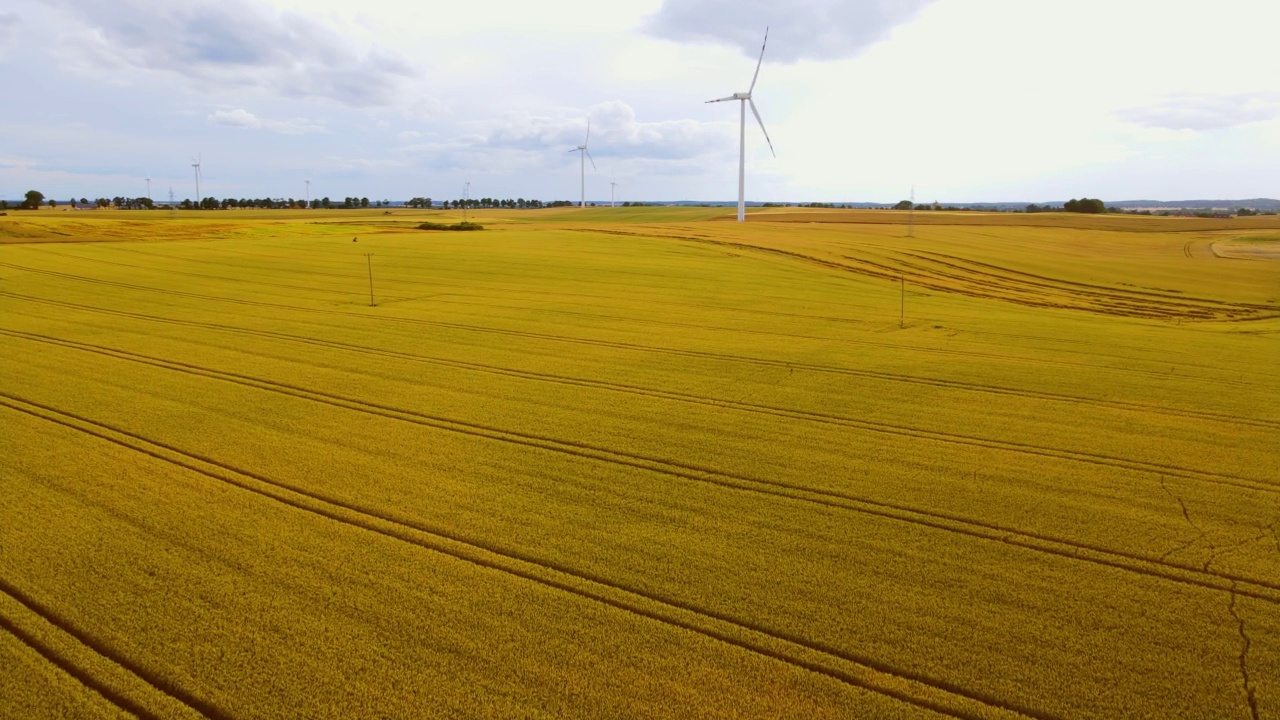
x,y
966,100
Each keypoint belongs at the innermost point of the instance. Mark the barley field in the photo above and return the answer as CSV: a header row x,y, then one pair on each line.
x,y
639,463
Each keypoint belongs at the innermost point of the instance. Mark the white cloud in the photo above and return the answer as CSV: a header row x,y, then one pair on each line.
x,y
242,118
615,130
1205,112
968,99
233,44
802,29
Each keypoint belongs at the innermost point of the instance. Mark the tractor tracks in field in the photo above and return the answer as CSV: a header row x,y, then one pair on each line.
x,y
92,679
947,522
850,668
998,273
439,298
263,283
1012,286
676,352
907,431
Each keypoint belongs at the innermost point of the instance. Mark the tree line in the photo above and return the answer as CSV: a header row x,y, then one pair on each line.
x,y
34,199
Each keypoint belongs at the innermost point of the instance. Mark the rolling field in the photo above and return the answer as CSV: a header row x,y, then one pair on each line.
x,y
639,462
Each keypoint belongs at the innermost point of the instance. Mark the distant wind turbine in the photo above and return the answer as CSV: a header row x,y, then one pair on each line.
x,y
195,163
612,186
584,155
745,99
148,188
308,182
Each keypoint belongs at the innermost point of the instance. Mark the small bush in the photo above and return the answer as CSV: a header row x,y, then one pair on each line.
x,y
446,226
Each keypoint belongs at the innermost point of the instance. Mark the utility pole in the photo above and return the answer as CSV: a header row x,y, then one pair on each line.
x,y
369,259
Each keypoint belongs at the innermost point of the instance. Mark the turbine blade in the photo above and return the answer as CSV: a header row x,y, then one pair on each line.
x,y
593,162
760,61
756,112
575,150
584,142
723,99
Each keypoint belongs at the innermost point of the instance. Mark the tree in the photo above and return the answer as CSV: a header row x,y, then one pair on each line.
x,y
33,200
1085,205
904,205
53,203
364,202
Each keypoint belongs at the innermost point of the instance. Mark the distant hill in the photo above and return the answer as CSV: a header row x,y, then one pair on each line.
x,y
1262,204
1251,203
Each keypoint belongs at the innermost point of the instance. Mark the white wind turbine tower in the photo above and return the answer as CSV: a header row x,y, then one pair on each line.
x,y
745,99
582,160
195,163
612,187
308,182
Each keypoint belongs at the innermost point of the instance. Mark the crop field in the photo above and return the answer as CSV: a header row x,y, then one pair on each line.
x,y
639,463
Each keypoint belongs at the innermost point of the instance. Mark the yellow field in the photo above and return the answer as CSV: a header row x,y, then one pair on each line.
x,y
639,463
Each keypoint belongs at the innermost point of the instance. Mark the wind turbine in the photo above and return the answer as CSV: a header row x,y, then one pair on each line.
x,y
745,99
148,188
195,163
308,182
582,160
612,186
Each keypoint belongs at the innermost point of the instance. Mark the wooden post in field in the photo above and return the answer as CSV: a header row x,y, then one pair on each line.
x,y
369,258
902,301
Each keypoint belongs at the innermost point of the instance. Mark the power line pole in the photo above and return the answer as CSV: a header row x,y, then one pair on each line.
x,y
369,259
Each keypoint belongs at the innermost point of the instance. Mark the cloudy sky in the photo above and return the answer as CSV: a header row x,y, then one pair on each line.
x,y
970,100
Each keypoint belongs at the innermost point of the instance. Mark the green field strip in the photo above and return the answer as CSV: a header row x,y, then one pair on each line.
x,y
927,693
